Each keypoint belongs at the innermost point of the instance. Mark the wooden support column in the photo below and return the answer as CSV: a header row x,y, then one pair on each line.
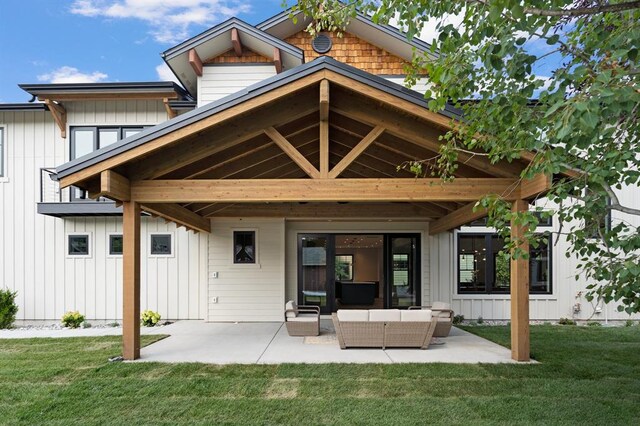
x,y
131,280
324,128
519,291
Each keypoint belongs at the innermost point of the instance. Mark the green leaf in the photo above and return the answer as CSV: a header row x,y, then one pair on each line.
x,y
553,39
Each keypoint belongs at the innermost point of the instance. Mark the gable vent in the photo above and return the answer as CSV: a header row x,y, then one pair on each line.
x,y
322,43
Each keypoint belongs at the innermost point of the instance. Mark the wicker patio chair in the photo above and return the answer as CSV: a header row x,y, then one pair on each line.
x,y
302,320
442,311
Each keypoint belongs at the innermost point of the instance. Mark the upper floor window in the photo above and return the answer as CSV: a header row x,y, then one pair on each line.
x,y
85,140
2,161
481,270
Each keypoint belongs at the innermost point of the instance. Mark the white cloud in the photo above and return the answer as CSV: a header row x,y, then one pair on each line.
x,y
429,31
68,74
169,21
165,73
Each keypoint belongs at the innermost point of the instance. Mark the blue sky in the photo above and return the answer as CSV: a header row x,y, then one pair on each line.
x,y
46,41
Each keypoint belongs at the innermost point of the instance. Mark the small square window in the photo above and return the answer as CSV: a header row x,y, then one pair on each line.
x,y
78,245
161,244
115,245
244,247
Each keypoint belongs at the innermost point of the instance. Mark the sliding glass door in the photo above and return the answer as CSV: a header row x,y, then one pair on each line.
x,y
403,270
316,271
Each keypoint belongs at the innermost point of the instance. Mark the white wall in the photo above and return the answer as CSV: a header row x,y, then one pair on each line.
x,y
249,292
33,259
218,81
422,84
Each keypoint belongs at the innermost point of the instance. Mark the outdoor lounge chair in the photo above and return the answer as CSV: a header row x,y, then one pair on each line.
x,y
442,311
302,320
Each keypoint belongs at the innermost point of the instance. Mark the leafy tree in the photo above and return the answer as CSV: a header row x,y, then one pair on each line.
x,y
584,119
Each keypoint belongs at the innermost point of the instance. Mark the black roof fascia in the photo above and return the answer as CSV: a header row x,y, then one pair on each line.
x,y
132,87
278,80
226,26
183,104
387,29
23,107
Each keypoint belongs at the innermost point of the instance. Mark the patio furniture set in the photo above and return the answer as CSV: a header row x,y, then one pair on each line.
x,y
375,328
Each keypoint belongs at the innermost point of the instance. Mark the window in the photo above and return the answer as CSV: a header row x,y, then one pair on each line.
x,y
161,245
85,140
244,246
481,268
78,245
115,244
344,267
2,171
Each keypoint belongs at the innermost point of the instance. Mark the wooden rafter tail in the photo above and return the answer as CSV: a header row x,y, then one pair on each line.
x,y
277,60
235,42
195,62
171,113
59,114
114,186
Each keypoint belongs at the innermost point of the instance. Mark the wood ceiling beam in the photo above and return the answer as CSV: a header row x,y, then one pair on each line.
x,y
324,129
195,62
179,215
293,153
114,186
235,42
457,218
206,123
356,152
324,100
59,114
321,190
535,187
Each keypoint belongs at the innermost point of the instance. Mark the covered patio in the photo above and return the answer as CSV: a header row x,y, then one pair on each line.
x,y
322,141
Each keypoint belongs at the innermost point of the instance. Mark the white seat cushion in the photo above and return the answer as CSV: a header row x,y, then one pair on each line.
x,y
440,305
353,315
384,315
417,315
304,318
293,306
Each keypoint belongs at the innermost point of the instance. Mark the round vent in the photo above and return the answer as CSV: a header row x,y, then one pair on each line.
x,y
322,43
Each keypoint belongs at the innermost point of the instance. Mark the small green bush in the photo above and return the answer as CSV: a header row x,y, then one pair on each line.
x,y
150,318
594,324
629,323
458,319
72,319
8,308
480,320
566,321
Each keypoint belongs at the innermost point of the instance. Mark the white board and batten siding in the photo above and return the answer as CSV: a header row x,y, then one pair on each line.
x,y
218,81
247,292
421,86
566,290
33,247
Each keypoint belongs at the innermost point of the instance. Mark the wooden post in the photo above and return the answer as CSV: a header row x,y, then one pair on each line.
x,y
131,280
519,292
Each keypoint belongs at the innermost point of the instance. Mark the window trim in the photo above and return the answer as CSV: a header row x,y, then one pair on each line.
x,y
89,245
173,244
550,294
4,156
96,131
256,241
114,234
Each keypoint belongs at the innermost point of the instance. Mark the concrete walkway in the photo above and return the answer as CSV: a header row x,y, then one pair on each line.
x,y
269,343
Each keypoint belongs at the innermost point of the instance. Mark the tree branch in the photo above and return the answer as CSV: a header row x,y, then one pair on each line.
x,y
615,203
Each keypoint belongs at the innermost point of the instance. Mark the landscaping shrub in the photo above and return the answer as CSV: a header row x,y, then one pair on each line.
x,y
480,320
72,319
458,319
629,323
566,321
594,324
8,308
150,318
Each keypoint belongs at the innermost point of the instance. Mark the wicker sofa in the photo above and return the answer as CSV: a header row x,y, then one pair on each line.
x,y
442,311
384,328
302,320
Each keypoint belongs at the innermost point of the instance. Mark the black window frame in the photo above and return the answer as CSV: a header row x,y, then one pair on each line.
x,y
111,237
161,234
490,266
543,221
238,233
82,254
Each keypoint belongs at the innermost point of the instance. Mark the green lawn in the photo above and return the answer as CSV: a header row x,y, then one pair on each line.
x,y
587,375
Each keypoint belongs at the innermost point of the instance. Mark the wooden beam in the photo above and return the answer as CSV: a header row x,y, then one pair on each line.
x,y
195,62
131,280
292,152
520,344
533,188
324,149
59,114
457,218
235,42
324,100
319,190
277,61
171,113
355,152
167,163
114,186
179,215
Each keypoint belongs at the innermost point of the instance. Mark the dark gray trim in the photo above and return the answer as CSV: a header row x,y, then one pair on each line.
x,y
241,96
387,29
24,107
78,208
180,105
129,87
226,26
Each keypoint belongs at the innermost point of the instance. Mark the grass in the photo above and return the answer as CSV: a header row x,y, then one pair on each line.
x,y
587,375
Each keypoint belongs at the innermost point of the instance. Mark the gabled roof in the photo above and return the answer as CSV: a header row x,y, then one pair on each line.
x,y
279,80
160,88
217,40
385,36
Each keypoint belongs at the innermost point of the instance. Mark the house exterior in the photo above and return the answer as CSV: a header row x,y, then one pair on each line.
x,y
269,175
